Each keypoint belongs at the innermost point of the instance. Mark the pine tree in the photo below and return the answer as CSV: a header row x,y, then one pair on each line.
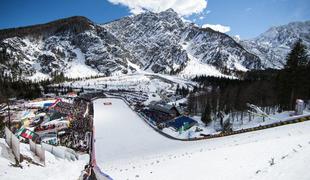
x,y
296,60
297,57
206,115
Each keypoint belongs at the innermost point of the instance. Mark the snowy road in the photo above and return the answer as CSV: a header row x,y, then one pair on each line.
x,y
127,148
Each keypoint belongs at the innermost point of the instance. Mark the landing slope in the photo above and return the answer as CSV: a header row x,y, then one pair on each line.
x,y
121,134
127,148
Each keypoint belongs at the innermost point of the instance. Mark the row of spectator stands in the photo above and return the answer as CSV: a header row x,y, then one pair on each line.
x,y
91,95
80,115
53,115
64,108
181,123
133,97
45,129
82,123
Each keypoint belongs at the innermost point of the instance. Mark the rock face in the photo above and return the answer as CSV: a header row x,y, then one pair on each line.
x,y
273,46
163,42
153,42
61,46
219,50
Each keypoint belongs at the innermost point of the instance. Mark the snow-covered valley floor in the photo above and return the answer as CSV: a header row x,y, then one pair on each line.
x,y
127,148
142,81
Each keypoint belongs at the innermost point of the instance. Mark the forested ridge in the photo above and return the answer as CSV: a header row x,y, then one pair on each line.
x,y
273,90
75,24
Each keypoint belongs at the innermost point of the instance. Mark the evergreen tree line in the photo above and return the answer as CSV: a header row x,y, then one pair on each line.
x,y
182,91
273,90
59,77
60,90
18,89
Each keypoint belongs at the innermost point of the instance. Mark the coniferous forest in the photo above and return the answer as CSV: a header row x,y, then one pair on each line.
x,y
18,89
272,90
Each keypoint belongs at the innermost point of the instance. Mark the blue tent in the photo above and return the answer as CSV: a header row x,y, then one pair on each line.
x,y
184,121
47,104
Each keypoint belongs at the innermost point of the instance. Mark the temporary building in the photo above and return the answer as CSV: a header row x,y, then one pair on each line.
x,y
182,122
166,108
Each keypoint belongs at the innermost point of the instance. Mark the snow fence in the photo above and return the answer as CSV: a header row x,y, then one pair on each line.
x,y
38,150
61,152
13,143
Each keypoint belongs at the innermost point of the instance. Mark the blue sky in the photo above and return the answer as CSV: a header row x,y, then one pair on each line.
x,y
247,18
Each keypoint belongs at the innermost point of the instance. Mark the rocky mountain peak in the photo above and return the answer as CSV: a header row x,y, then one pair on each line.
x,y
168,13
273,45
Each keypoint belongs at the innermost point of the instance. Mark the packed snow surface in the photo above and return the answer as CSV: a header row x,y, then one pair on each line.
x,y
121,134
127,148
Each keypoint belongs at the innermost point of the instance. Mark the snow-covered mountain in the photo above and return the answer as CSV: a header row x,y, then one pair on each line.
x,y
165,43
273,45
152,42
75,46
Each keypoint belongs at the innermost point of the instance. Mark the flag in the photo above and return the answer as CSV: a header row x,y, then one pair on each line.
x,y
26,133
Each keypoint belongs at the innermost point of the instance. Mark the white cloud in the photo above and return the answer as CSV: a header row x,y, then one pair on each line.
x,y
182,7
217,27
237,38
200,16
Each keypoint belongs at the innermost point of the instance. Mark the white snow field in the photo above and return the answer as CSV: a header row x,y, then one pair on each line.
x,y
55,168
146,82
127,148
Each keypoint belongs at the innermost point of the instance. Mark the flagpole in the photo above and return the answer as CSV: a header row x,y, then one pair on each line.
x,y
9,113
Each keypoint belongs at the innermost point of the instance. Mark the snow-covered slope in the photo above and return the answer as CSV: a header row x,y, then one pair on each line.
x,y
127,148
273,46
